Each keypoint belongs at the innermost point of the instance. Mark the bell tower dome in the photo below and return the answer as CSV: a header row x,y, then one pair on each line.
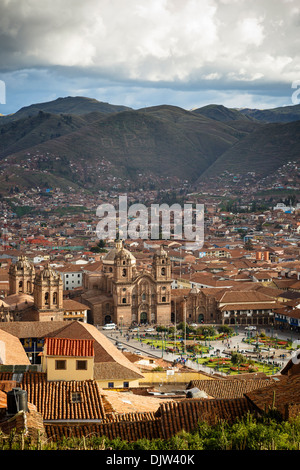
x,y
21,277
48,290
124,265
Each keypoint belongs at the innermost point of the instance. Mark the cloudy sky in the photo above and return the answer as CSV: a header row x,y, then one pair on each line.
x,y
188,53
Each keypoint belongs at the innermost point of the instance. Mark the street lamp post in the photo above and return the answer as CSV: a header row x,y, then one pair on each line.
x,y
162,343
185,299
175,326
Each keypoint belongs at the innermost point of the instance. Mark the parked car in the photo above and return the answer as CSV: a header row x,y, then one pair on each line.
x,y
109,326
249,328
148,330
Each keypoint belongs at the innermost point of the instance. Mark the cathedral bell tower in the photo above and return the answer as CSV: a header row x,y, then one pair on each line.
x,y
123,276
124,264
21,277
161,272
48,294
161,266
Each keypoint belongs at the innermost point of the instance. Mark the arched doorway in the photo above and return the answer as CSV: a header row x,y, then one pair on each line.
x,y
143,317
107,319
201,318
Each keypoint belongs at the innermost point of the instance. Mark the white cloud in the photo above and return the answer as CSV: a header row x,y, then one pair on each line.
x,y
251,31
184,45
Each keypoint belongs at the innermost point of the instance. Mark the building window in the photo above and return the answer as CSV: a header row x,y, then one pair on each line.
x,y
126,384
163,299
110,384
60,364
124,300
81,365
76,397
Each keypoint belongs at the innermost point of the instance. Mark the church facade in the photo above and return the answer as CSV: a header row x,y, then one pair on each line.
x,y
125,296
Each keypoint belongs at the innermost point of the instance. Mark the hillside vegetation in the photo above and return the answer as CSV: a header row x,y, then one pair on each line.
x,y
79,141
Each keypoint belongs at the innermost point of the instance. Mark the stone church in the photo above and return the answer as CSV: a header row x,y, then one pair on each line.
x,y
33,296
119,293
123,295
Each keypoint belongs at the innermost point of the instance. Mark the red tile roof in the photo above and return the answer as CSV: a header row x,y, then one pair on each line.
x,y
69,347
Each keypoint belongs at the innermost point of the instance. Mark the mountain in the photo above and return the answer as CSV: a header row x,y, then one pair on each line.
x,y
88,144
263,151
221,113
282,114
70,105
27,132
161,143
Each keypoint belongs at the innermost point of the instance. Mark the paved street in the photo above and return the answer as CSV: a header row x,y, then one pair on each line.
x,y
235,343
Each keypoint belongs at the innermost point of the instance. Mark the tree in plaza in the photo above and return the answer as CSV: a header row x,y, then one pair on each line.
x,y
237,359
206,330
225,329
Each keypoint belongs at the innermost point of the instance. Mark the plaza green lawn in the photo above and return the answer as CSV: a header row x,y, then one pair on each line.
x,y
226,366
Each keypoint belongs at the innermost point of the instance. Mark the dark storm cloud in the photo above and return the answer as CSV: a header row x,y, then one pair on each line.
x,y
239,52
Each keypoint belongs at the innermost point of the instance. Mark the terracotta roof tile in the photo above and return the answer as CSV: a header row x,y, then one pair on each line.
x,y
69,347
230,388
55,399
280,393
186,414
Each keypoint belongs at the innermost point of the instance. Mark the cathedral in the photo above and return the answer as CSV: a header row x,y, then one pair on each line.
x,y
33,296
125,296
119,293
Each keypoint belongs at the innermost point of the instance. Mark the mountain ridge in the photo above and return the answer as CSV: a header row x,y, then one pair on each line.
x,y
87,143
